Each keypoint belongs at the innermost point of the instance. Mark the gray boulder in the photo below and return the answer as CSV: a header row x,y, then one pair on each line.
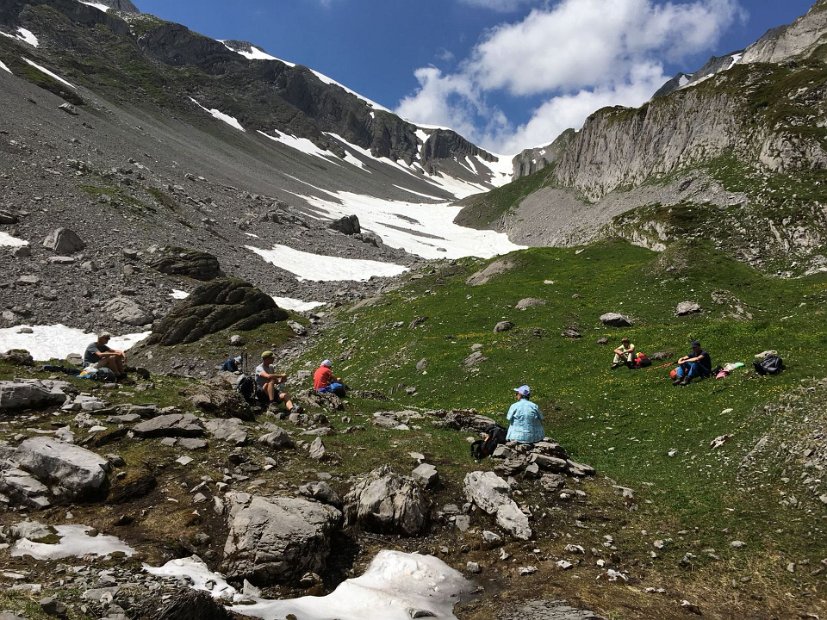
x,y
384,501
529,302
513,520
170,425
615,319
503,326
15,395
349,225
687,307
230,430
71,472
194,264
23,489
322,492
64,241
492,495
426,475
278,439
220,304
126,310
278,539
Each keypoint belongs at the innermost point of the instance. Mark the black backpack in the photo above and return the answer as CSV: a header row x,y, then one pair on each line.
x,y
770,365
495,435
246,386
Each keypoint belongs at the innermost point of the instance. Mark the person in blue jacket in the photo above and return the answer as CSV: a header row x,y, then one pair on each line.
x,y
525,419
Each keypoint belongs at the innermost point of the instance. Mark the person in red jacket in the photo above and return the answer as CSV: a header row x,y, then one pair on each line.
x,y
324,381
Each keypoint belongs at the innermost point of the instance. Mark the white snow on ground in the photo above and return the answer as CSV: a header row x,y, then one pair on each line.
x,y
5,238
683,81
74,542
428,229
226,118
288,303
58,341
736,58
100,7
320,268
28,37
179,294
254,53
300,144
410,191
393,586
4,68
47,72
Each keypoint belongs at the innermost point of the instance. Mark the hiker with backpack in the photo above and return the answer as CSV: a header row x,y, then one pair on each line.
x,y
697,364
324,381
624,354
267,383
524,417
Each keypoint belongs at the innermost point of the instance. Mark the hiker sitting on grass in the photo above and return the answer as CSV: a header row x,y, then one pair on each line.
x,y
624,354
525,419
232,364
267,383
99,355
697,364
324,381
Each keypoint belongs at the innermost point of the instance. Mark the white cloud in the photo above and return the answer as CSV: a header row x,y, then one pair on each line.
x,y
578,54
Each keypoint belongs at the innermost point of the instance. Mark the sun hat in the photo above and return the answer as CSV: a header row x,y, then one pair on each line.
x,y
523,390
624,339
267,354
696,343
237,359
327,363
103,335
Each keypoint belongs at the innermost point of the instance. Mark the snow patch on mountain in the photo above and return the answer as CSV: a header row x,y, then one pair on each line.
x,y
4,68
96,5
321,268
226,118
74,541
297,305
27,37
424,229
47,72
6,240
57,341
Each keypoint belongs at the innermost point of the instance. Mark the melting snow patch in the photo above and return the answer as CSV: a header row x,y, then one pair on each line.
x,y
396,586
254,54
288,303
300,144
4,68
179,294
58,341
320,268
74,542
5,238
47,72
427,230
226,118
96,5
28,37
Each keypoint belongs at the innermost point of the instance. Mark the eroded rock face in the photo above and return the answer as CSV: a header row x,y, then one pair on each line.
x,y
187,262
220,304
277,539
71,472
384,501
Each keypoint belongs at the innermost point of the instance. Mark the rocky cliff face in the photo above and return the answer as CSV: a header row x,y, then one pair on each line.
x,y
532,160
800,38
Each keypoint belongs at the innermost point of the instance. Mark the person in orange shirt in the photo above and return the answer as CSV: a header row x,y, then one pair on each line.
x,y
324,381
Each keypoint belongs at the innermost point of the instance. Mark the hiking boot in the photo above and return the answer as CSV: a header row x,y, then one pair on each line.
x,y
142,373
297,409
676,381
685,381
615,366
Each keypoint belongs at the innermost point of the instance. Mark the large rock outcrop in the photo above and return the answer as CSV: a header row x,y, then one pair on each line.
x,y
19,395
276,539
491,494
220,304
384,501
72,473
194,264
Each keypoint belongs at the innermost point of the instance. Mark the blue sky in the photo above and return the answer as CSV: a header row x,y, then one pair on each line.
x,y
507,74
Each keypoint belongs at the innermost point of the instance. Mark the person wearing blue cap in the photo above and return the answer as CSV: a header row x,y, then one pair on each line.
x,y
525,419
697,364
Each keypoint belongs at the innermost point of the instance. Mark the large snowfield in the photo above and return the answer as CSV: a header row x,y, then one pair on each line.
x,y
57,341
309,266
394,586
